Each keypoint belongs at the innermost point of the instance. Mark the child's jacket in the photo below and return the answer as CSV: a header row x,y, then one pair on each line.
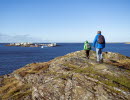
x,y
87,46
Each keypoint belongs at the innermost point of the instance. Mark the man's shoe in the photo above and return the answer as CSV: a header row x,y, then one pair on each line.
x,y
101,60
87,57
98,62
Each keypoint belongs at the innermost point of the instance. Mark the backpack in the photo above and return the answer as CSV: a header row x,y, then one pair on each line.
x,y
88,46
101,39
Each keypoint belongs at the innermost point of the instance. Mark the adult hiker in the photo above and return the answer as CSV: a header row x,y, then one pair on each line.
x,y
87,48
99,44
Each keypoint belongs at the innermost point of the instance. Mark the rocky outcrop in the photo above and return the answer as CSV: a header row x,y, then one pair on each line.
x,y
70,77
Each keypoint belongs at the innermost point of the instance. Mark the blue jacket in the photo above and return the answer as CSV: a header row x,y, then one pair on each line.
x,y
96,44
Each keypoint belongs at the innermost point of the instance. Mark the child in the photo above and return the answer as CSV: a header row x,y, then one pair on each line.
x,y
87,48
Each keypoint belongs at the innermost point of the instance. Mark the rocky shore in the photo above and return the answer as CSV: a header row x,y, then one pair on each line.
x,y
70,77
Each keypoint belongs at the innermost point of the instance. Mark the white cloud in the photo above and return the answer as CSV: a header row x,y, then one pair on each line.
x,y
4,38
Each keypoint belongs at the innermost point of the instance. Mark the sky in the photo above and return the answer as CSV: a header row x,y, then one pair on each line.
x,y
64,20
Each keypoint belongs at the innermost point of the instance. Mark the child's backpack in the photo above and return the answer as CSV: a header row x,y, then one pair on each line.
x,y
101,39
88,46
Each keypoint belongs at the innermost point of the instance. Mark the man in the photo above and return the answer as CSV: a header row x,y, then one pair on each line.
x,y
99,44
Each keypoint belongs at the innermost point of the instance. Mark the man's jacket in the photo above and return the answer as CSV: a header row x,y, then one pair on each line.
x,y
96,44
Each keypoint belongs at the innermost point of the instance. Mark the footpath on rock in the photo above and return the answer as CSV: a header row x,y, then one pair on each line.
x,y
70,77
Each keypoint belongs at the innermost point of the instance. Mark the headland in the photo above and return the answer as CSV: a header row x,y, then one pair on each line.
x,y
70,77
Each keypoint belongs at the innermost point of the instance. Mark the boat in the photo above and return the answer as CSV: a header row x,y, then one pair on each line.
x,y
42,46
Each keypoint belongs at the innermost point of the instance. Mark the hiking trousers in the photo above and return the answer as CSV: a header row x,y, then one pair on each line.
x,y
87,53
99,54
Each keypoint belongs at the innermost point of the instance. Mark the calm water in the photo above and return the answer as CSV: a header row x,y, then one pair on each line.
x,y
12,58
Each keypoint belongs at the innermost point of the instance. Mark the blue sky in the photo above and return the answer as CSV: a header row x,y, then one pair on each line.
x,y
64,20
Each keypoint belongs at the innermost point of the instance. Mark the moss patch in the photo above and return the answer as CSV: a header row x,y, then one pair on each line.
x,y
108,79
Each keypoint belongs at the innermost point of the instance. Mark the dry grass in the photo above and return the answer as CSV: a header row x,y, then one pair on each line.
x,y
13,88
123,63
19,95
17,92
8,84
32,68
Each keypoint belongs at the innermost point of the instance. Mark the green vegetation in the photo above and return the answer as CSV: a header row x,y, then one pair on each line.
x,y
108,79
64,76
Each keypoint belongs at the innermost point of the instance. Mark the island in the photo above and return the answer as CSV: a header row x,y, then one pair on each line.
x,y
70,77
28,44
127,43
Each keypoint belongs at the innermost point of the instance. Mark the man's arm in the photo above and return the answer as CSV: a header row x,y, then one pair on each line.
x,y
94,42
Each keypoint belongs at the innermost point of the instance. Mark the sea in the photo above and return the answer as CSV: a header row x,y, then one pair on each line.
x,y
13,57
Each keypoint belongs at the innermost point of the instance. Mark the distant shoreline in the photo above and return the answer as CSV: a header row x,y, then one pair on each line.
x,y
127,43
26,44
